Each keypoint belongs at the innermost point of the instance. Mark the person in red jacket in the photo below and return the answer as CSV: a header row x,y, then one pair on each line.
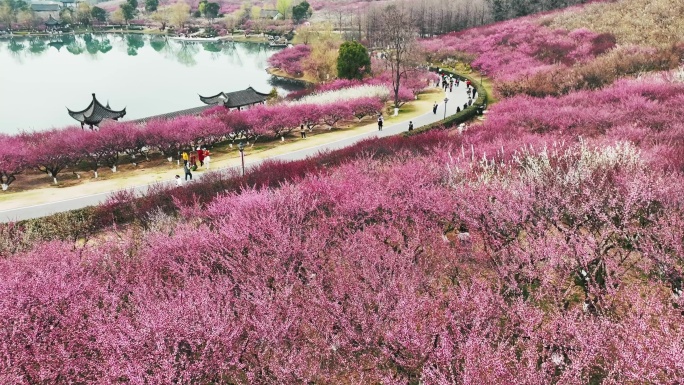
x,y
200,156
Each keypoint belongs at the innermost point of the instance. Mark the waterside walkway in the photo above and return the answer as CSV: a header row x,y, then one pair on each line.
x,y
80,197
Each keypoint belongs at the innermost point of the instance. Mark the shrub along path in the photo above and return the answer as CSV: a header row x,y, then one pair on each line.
x,y
42,202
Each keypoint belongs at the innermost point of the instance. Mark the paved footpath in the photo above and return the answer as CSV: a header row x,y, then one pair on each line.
x,y
456,99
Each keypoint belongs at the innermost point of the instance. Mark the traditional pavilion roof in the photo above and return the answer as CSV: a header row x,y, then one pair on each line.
x,y
235,99
95,113
51,21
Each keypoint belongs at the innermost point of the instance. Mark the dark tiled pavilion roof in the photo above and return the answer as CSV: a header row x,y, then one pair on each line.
x,y
95,113
235,99
51,21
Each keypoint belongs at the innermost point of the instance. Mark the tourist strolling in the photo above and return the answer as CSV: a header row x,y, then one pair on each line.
x,y
434,108
302,130
200,156
410,125
188,173
207,159
380,122
193,160
185,158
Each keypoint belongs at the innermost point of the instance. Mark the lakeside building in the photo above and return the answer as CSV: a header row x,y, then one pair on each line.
x,y
238,100
96,113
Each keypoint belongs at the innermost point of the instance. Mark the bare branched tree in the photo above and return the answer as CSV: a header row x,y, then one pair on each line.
x,y
397,37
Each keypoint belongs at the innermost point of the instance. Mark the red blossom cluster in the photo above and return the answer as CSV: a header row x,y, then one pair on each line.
x,y
290,59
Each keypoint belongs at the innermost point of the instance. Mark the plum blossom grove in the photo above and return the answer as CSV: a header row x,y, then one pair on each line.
x,y
539,263
543,246
55,150
511,254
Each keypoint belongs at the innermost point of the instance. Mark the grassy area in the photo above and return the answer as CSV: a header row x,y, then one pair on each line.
x,y
642,22
308,78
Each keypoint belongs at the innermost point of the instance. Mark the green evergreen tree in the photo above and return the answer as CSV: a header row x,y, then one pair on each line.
x,y
353,61
98,14
151,5
301,11
211,10
128,11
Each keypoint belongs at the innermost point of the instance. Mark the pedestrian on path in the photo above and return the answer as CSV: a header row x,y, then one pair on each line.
x,y
410,125
207,159
179,181
185,158
200,156
188,173
434,108
380,122
302,131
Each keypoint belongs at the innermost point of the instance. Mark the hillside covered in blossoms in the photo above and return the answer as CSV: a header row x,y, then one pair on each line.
x,y
543,244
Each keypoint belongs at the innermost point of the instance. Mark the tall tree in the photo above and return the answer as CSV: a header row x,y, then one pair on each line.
x,y
179,14
284,7
162,16
353,61
83,14
397,37
499,9
151,5
98,14
127,12
211,10
301,11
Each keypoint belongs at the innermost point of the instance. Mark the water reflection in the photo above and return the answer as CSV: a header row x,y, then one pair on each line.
x,y
133,44
37,46
158,43
96,44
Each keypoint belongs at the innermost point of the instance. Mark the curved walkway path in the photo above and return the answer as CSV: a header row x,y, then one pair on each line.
x,y
456,98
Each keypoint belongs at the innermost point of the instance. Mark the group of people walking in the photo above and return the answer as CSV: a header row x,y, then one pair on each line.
x,y
190,163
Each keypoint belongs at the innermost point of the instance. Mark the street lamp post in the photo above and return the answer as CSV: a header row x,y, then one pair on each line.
x,y
241,147
445,104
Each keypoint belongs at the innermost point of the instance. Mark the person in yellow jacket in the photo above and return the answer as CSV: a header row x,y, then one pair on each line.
x,y
185,158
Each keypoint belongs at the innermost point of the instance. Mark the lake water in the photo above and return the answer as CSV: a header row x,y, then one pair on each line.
x,y
149,75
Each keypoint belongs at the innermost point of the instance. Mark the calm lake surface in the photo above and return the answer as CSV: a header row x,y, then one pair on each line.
x,y
149,75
